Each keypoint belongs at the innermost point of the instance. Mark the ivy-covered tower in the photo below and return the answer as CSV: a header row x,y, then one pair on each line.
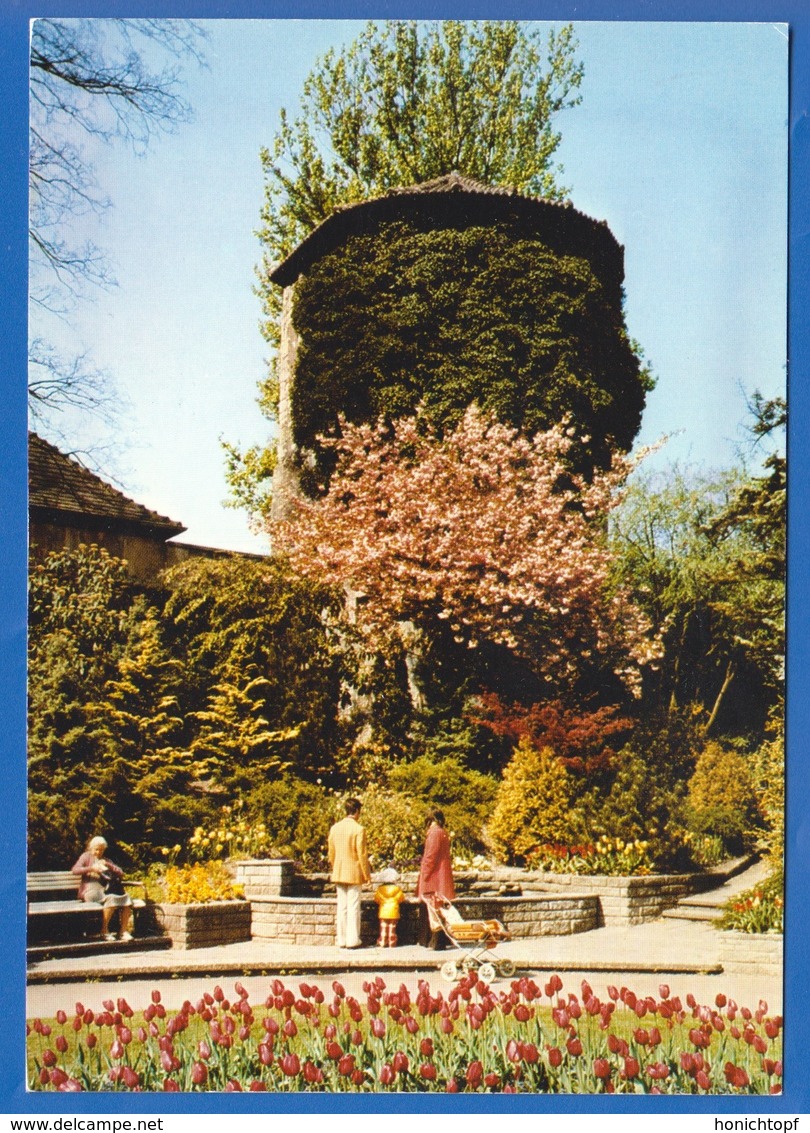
x,y
447,293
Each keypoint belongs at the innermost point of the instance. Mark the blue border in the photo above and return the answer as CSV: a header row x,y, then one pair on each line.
x,y
14,17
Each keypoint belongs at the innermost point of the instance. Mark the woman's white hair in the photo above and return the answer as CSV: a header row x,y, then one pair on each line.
x,y
97,841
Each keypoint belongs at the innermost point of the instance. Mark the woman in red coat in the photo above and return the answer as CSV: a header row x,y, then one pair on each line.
x,y
435,876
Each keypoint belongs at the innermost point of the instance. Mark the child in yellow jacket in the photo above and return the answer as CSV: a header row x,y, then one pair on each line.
x,y
389,897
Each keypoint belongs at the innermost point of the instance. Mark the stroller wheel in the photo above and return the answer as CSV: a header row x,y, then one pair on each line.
x,y
506,968
450,971
487,972
470,964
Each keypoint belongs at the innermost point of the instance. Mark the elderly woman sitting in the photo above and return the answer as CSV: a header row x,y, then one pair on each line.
x,y
101,883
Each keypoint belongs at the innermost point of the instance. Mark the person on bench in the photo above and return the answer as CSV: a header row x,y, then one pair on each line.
x,y
101,882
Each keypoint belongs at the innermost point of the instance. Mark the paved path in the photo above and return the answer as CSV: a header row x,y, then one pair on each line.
x,y
682,954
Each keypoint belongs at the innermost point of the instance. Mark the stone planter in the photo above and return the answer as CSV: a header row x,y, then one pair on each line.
x,y
311,920
205,926
752,953
266,877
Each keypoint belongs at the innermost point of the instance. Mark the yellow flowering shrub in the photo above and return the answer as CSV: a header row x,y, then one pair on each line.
x,y
199,884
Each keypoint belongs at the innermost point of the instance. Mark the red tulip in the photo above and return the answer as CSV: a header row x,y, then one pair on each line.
x,y
199,1073
658,1070
266,1056
91,1041
386,1074
736,1076
530,1053
447,1026
631,1068
428,1071
117,1049
663,991
232,1086
601,1068
426,1047
312,1073
346,1065
290,1029
475,1072
574,1047
58,1077
170,1086
400,1062
555,1056
513,1051
291,1065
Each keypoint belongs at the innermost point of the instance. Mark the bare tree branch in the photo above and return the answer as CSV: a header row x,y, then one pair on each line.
x,y
102,80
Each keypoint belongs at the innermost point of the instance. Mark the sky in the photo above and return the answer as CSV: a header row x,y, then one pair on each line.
x,y
680,144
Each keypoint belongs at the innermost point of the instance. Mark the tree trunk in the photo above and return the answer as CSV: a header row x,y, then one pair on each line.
x,y
729,677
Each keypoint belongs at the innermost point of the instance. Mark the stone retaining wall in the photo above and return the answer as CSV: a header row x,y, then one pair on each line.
x,y
205,926
752,952
307,920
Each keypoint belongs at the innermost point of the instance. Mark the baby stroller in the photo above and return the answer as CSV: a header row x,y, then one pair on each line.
x,y
476,939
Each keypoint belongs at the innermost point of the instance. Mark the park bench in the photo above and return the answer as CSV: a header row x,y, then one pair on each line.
x,y
54,910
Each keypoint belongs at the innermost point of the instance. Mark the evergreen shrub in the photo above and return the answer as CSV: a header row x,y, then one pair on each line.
x,y
467,797
721,799
533,806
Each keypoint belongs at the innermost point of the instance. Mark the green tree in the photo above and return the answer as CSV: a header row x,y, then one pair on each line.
x,y
690,546
408,102
265,673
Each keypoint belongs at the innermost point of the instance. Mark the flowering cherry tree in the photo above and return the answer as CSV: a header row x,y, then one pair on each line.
x,y
483,530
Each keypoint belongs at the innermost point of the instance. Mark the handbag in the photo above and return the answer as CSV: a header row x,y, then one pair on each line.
x,y
113,885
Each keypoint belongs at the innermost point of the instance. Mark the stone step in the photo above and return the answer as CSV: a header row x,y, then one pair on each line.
x,y
79,948
691,913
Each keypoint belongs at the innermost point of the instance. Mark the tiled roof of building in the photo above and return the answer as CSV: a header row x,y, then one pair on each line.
x,y
453,192
59,484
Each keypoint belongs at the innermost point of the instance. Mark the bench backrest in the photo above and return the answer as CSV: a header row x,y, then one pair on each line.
x,y
55,883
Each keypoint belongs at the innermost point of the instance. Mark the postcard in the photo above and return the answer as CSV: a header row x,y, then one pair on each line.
x,y
406,563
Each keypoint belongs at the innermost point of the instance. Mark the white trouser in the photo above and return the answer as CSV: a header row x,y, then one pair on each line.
x,y
348,915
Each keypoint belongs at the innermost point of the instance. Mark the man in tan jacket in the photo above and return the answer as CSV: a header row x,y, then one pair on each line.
x,y
350,871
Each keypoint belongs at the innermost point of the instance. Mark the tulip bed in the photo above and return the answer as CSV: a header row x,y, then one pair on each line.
x,y
473,1039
